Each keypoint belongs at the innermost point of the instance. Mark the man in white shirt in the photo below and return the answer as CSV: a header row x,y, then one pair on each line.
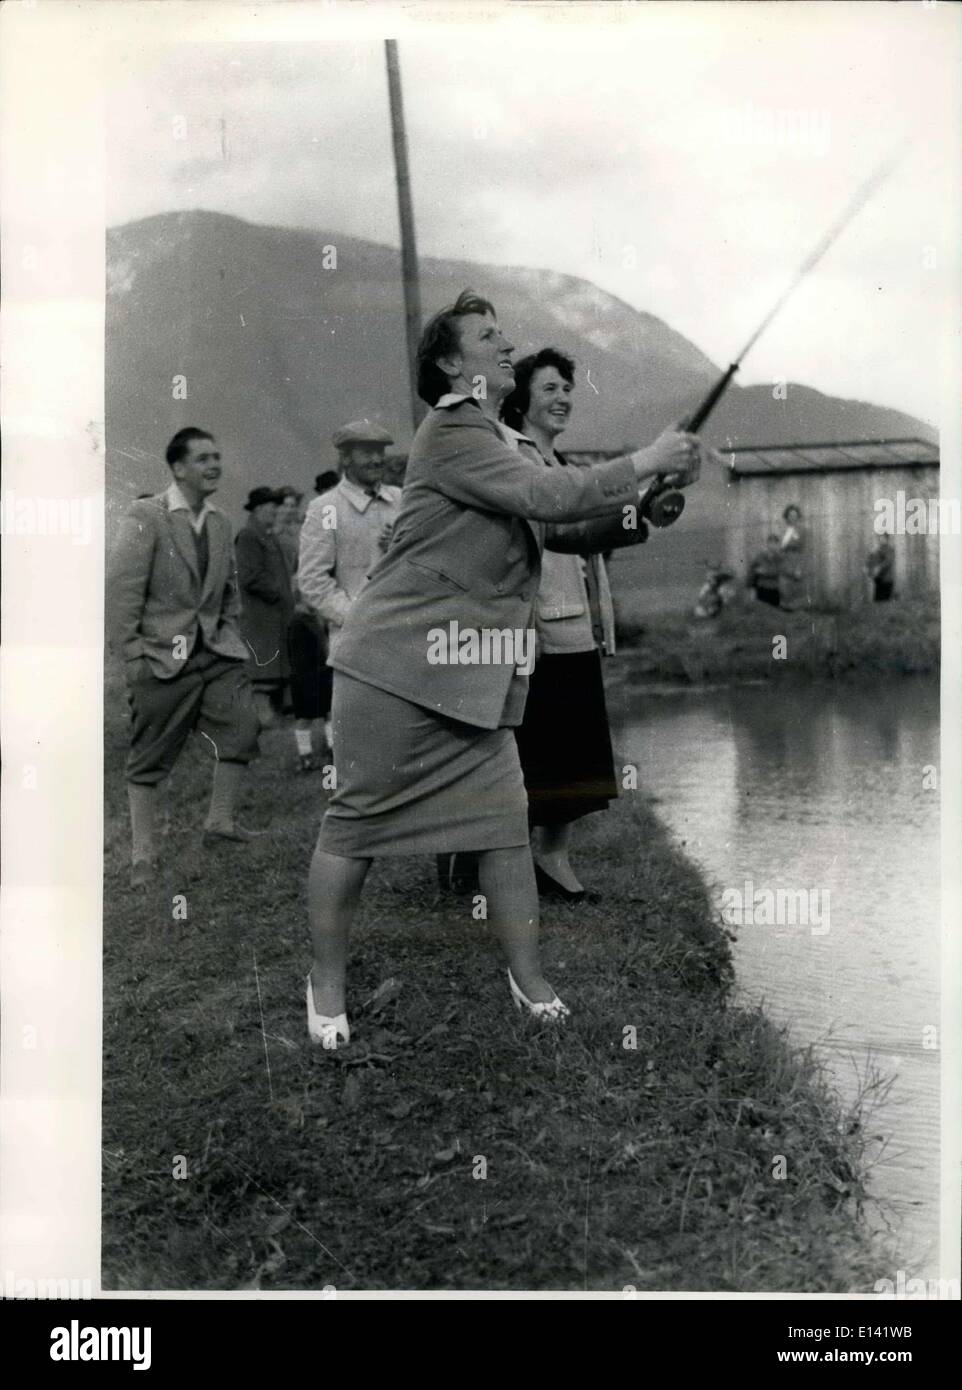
x,y
347,528
172,612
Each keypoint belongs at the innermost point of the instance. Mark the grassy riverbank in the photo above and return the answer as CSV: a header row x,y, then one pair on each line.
x,y
898,638
654,1166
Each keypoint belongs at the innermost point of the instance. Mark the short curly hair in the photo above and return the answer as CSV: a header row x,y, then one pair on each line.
x,y
440,338
515,407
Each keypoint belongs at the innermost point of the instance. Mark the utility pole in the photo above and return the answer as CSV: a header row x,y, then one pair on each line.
x,y
409,253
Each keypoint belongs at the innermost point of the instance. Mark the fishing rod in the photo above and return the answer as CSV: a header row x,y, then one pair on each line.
x,y
665,504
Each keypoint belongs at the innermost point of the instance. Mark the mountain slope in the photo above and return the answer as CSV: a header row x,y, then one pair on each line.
x,y
277,352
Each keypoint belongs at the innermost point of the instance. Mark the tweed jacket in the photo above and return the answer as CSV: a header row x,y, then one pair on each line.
x,y
475,516
154,591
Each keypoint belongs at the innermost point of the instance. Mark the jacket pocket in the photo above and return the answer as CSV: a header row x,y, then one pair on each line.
x,y
555,611
438,576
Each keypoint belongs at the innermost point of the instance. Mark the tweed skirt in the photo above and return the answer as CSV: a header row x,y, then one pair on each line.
x,y
412,781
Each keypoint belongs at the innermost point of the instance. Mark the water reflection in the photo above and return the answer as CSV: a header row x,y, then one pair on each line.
x,y
820,789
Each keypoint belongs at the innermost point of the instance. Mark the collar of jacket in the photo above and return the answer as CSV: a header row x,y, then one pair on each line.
x,y
515,438
507,432
359,498
175,501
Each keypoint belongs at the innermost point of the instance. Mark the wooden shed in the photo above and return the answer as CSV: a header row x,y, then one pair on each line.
x,y
837,487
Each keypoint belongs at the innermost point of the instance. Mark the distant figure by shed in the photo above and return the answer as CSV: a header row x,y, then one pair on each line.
x,y
843,492
880,568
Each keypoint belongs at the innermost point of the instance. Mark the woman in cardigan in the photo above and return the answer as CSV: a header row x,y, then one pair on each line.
x,y
430,671
793,581
267,601
563,740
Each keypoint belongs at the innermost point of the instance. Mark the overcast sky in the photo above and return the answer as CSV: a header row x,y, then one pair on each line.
x,y
685,157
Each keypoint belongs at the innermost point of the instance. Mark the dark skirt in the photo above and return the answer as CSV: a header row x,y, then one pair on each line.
x,y
311,677
564,742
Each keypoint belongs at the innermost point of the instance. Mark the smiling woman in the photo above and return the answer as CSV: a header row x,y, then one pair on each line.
x,y
563,741
464,347
425,753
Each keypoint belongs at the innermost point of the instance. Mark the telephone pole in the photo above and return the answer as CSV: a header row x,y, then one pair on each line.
x,y
409,254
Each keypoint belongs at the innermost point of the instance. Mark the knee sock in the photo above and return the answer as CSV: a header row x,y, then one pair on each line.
x,y
223,794
302,738
143,820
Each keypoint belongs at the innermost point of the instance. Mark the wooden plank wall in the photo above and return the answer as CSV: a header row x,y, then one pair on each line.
x,y
839,513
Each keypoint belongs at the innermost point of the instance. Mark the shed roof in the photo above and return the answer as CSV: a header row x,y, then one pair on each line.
x,y
834,457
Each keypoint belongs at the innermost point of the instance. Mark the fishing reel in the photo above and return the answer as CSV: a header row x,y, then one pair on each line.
x,y
662,504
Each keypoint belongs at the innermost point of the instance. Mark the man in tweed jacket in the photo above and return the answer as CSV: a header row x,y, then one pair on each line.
x,y
172,617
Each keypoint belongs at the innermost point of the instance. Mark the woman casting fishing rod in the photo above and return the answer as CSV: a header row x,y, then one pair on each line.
x,y
423,738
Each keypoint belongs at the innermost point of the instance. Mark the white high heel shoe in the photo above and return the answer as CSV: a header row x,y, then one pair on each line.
x,y
554,1009
325,1031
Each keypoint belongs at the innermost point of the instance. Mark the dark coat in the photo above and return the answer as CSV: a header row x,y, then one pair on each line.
x,y
267,603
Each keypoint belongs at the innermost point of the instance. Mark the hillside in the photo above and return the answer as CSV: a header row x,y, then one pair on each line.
x,y
278,351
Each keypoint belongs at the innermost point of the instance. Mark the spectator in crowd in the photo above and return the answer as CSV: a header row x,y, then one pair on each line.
x,y
880,567
323,483
287,523
173,611
343,532
267,602
793,580
714,593
765,570
310,682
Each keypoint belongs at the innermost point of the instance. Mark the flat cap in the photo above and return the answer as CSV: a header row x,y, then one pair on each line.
x,y
361,432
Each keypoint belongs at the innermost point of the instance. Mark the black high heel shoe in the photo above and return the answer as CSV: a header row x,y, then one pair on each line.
x,y
550,888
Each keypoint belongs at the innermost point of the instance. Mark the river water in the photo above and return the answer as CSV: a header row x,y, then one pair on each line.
x,y
820,790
